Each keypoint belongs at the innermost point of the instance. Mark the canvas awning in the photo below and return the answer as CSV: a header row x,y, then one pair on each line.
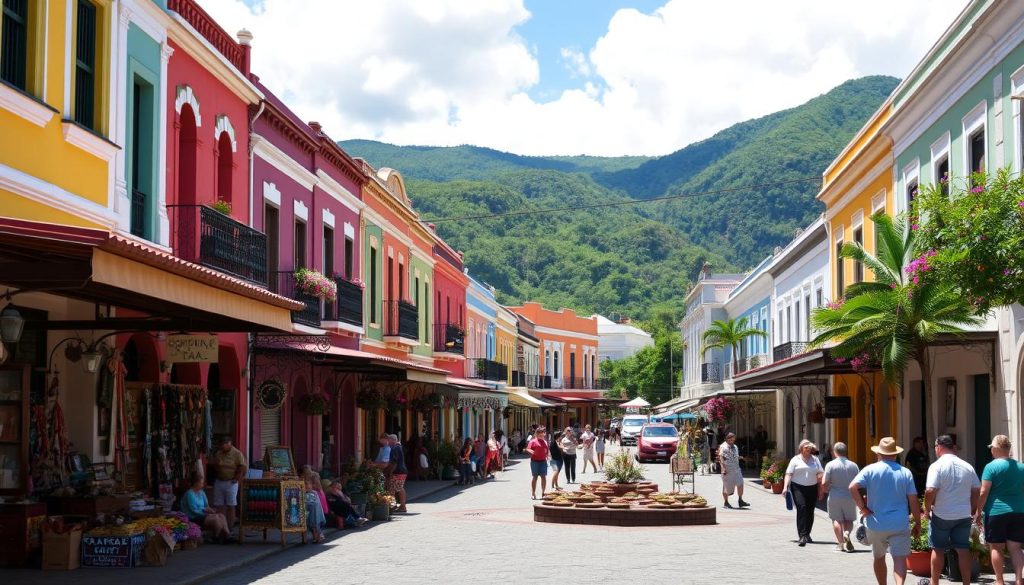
x,y
107,269
523,398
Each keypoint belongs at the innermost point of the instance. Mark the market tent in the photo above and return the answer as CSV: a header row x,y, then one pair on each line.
x,y
636,403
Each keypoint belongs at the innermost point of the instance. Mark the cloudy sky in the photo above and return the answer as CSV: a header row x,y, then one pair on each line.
x,y
600,77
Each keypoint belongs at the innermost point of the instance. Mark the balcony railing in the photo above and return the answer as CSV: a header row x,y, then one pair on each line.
x,y
211,31
283,283
401,319
138,217
575,383
546,382
601,384
747,363
710,372
522,379
487,369
789,349
348,308
449,338
205,236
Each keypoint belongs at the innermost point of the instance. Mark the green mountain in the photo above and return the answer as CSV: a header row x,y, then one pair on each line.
x,y
630,258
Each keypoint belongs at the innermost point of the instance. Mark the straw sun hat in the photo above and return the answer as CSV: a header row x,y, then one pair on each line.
x,y
887,446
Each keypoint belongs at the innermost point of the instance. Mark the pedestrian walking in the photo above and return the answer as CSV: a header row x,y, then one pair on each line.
x,y
839,474
891,497
569,444
493,456
599,446
503,448
479,455
1002,499
729,464
803,482
916,460
950,501
556,460
538,451
466,463
587,440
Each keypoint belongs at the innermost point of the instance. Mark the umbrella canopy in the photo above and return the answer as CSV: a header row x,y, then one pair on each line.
x,y
636,403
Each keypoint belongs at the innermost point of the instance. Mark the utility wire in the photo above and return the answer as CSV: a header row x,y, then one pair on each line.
x,y
621,203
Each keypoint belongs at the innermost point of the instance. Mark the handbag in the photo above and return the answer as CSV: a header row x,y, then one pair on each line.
x,y
789,500
861,533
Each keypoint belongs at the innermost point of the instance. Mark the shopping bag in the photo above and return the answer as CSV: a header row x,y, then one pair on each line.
x,y
789,500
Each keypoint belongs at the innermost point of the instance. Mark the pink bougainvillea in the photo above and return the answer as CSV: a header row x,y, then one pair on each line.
x,y
719,409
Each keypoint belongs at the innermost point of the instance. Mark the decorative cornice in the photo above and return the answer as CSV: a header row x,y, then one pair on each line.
x,y
338,191
92,143
266,150
182,33
25,107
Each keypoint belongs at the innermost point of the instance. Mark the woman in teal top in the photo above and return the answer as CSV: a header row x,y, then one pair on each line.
x,y
195,505
1002,499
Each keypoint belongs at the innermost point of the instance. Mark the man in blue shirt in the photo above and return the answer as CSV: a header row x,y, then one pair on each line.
x,y
891,497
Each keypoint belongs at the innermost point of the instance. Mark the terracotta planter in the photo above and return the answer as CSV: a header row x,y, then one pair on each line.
x,y
920,563
767,484
777,488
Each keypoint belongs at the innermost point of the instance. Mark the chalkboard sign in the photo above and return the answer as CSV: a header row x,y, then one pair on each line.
x,y
112,551
278,458
838,407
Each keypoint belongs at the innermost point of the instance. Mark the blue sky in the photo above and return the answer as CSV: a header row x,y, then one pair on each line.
x,y
576,24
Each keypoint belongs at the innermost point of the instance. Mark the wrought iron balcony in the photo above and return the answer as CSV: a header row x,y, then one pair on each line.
x,y
401,319
710,372
283,283
546,382
348,308
601,384
488,370
522,379
449,338
205,236
789,349
575,383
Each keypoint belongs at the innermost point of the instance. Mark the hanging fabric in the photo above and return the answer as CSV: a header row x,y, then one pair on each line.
x,y
105,402
121,429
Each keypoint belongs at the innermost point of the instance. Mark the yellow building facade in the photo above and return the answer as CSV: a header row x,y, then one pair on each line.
x,y
505,341
858,184
56,157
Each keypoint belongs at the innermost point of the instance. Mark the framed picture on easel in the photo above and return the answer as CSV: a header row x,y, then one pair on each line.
x,y
279,460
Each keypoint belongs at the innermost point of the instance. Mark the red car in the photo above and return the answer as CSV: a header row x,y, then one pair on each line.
x,y
656,441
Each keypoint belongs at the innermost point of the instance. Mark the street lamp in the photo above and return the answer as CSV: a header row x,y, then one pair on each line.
x,y
91,359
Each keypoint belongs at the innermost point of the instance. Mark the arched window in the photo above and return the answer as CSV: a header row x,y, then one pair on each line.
x,y
187,146
225,167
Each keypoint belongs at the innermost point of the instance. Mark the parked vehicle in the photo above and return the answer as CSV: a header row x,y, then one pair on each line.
x,y
656,441
631,425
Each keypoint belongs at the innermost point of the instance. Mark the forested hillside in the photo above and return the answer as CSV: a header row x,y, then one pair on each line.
x,y
630,259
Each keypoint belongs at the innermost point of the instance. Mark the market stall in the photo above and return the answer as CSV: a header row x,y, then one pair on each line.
x,y
276,500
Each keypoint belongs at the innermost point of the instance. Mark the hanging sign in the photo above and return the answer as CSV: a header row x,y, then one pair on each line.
x,y
192,348
838,407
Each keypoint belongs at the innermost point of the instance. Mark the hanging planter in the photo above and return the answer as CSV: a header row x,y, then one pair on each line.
x,y
315,284
370,399
817,415
719,409
315,404
506,412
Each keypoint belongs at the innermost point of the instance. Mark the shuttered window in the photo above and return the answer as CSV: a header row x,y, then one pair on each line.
x,y
85,65
270,427
14,43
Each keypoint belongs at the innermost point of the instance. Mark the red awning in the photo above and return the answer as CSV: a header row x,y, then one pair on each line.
x,y
355,353
575,396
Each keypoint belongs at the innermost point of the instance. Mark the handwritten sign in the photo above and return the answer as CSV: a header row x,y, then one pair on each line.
x,y
112,551
192,348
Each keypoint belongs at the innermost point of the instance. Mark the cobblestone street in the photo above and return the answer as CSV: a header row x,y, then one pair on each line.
x,y
486,533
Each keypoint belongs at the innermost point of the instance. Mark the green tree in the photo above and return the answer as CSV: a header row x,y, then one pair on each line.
x,y
894,318
974,230
654,371
728,333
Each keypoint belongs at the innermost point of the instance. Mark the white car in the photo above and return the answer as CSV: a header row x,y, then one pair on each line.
x,y
631,425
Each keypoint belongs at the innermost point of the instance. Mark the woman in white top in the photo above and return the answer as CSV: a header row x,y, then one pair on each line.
x,y
803,482
568,445
587,442
602,438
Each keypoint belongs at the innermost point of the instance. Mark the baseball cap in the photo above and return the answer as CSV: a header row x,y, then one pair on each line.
x,y
1000,442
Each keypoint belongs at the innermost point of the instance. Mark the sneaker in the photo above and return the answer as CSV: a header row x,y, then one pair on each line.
x,y
839,548
924,581
744,504
847,541
803,541
727,505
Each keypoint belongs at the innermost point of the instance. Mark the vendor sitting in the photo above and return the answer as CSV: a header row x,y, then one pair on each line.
x,y
195,505
340,505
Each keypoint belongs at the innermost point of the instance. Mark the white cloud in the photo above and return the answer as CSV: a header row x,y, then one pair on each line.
x,y
450,72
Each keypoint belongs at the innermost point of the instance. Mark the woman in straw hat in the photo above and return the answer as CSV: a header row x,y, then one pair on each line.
x,y
1002,499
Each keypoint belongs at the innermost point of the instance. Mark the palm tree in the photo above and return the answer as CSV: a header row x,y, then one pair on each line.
x,y
896,317
729,333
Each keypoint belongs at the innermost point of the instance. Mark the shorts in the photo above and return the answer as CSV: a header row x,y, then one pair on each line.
x,y
730,481
895,542
556,464
539,468
225,493
945,534
842,509
396,483
1003,527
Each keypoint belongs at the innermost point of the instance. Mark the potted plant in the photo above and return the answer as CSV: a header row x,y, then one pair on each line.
x,y
776,475
446,460
766,464
381,503
315,284
315,403
221,206
920,560
369,398
817,415
620,468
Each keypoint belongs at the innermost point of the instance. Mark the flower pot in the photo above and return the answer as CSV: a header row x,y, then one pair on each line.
x,y
767,484
777,488
381,512
920,563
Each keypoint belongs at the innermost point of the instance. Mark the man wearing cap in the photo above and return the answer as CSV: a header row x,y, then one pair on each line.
x,y
231,466
950,501
1002,499
891,497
